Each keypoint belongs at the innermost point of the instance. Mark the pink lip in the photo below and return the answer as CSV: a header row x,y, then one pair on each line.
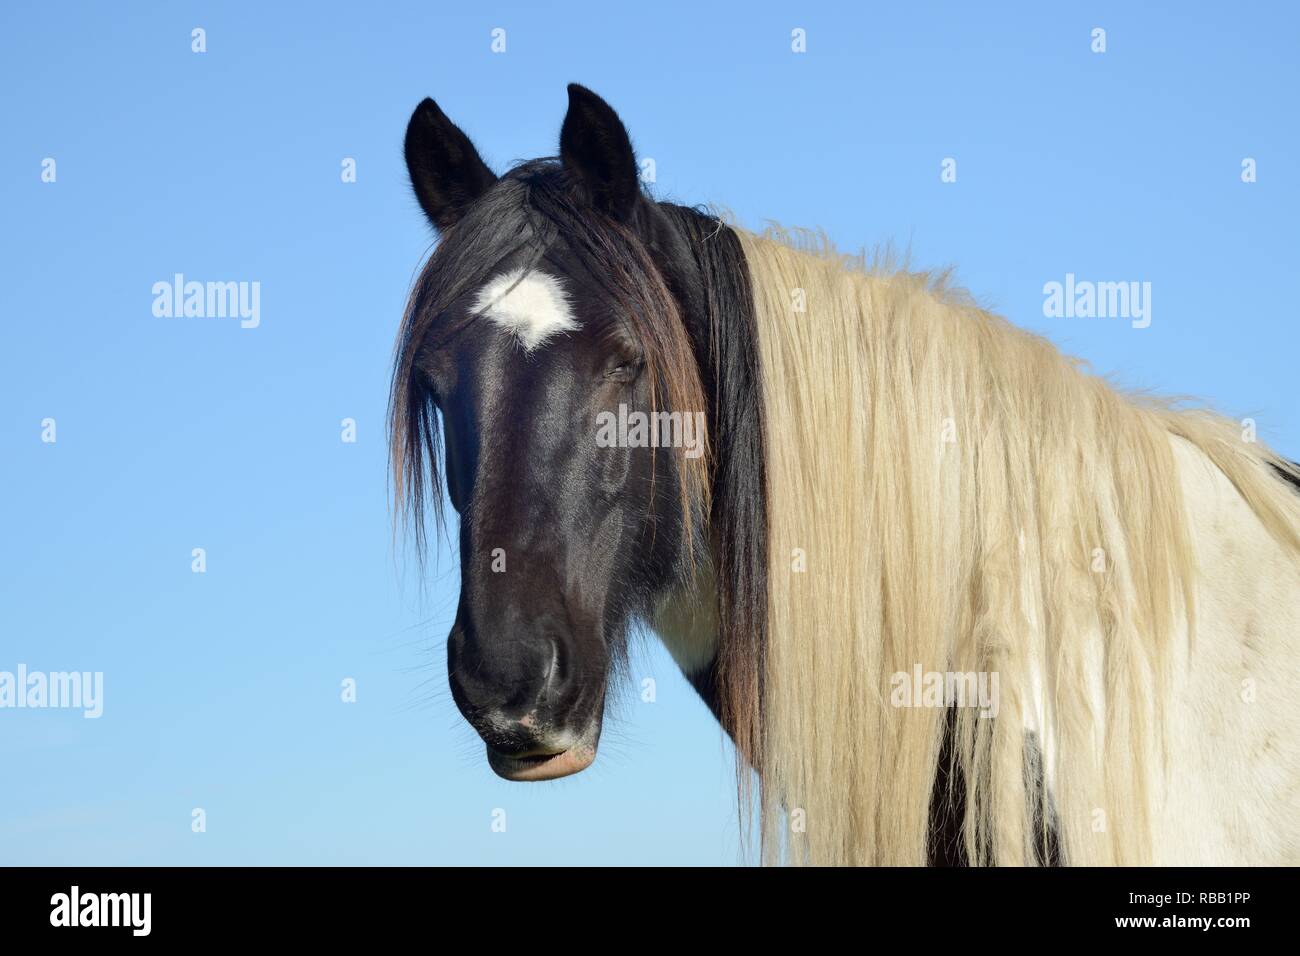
x,y
543,766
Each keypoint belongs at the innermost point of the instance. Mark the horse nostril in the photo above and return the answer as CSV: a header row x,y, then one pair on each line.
x,y
509,675
552,668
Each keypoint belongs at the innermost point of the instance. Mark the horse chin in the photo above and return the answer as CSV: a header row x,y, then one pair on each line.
x,y
546,765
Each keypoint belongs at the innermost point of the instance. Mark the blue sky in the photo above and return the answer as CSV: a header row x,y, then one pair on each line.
x,y
222,689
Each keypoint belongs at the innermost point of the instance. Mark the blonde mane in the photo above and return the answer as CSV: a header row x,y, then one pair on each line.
x,y
948,491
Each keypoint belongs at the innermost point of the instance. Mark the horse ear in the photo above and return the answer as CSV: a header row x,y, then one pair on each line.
x,y
446,170
595,148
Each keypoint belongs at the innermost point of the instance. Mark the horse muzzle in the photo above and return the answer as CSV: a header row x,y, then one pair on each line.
x,y
539,718
551,758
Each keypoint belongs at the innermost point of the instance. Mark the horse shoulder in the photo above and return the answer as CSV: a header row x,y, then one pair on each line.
x,y
1234,713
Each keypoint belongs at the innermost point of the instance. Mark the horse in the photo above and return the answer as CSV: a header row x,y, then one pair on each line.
x,y
894,492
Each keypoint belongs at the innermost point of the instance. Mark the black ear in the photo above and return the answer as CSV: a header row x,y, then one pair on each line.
x,y
595,148
446,170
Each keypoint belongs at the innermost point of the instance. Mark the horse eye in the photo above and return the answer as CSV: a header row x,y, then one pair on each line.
x,y
626,370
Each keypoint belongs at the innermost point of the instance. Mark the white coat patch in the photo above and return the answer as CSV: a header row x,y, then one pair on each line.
x,y
531,306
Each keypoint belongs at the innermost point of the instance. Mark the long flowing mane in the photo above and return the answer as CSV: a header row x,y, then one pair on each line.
x,y
950,492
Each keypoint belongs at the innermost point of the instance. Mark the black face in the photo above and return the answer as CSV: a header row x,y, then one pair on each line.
x,y
564,538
